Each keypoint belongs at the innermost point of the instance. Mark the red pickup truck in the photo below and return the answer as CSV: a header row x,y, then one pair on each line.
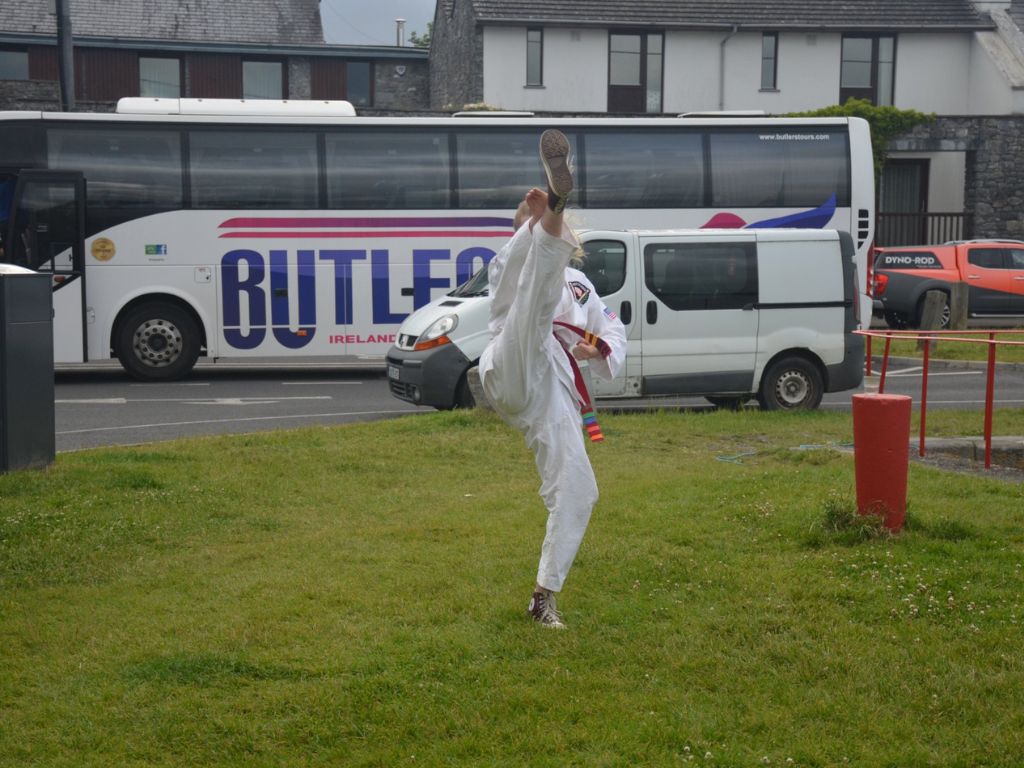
x,y
992,269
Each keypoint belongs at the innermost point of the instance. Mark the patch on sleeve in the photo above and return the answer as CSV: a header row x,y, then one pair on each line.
x,y
611,315
580,292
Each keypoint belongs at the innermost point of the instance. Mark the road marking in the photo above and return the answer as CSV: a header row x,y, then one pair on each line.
x,y
931,374
314,383
248,419
190,400
171,384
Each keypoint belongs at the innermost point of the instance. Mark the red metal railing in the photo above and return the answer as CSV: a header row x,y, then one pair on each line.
x,y
945,336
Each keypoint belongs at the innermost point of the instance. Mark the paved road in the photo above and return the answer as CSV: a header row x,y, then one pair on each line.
x,y
99,405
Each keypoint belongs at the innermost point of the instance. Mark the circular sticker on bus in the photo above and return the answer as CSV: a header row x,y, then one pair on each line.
x,y
103,249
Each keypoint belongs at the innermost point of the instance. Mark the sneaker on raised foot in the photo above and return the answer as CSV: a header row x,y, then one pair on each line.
x,y
542,610
554,155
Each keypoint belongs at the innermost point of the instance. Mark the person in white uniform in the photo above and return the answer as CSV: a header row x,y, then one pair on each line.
x,y
545,316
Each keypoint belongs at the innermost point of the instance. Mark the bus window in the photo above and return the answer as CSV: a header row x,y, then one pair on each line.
x,y
379,170
644,169
779,167
123,167
18,140
497,168
253,169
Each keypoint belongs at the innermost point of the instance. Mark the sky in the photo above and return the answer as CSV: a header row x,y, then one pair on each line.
x,y
359,22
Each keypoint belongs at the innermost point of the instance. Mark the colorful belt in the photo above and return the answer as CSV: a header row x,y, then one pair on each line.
x,y
586,406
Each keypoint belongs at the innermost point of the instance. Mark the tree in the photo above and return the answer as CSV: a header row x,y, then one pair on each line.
x,y
886,123
423,41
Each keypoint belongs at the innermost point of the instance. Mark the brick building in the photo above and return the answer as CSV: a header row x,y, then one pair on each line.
x,y
271,49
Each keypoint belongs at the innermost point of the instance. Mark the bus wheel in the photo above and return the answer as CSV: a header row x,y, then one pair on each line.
x,y
791,383
727,402
158,341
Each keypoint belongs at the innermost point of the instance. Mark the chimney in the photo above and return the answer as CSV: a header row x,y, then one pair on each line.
x,y
400,32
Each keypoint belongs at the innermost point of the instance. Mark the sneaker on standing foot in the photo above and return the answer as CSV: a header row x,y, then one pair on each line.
x,y
542,610
554,155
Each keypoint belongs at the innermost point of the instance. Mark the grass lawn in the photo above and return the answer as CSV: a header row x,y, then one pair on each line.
x,y
957,350
355,596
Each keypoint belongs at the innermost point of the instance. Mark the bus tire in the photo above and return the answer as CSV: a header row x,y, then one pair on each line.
x,y
727,402
790,383
157,341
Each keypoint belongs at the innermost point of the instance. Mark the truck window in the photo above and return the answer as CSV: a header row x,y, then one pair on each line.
x,y
986,258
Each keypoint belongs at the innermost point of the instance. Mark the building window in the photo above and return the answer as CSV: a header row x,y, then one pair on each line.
x,y
635,65
159,77
769,60
868,69
358,85
262,80
535,57
13,65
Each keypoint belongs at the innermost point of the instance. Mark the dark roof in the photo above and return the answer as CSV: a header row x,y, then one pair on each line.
x,y
295,22
1017,13
774,14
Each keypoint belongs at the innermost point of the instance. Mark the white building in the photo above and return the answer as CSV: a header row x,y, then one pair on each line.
x,y
947,57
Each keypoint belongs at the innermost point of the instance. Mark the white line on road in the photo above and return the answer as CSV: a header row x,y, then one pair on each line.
x,y
932,374
230,421
315,383
190,400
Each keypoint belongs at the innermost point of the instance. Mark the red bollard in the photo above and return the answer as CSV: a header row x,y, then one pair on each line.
x,y
881,448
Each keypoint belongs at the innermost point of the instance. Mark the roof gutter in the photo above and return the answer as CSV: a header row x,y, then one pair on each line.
x,y
721,66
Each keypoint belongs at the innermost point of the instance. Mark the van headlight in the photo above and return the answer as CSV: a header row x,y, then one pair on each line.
x,y
437,332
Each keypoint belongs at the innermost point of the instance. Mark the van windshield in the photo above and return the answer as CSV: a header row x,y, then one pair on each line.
x,y
475,286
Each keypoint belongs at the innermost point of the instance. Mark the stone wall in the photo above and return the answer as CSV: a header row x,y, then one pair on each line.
x,y
456,58
401,86
994,184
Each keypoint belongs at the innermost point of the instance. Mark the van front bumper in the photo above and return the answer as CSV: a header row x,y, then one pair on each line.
x,y
430,377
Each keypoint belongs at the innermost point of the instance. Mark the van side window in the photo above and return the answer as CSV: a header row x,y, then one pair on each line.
x,y
605,265
689,276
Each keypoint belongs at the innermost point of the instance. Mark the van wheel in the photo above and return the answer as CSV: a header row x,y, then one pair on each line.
x,y
791,383
157,341
464,395
727,402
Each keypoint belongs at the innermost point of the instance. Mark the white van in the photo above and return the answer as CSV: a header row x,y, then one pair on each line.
x,y
727,314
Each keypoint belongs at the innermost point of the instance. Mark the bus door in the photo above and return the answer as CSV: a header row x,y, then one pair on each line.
x,y
700,324
47,234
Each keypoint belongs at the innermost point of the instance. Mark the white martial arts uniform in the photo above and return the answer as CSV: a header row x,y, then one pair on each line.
x,y
527,375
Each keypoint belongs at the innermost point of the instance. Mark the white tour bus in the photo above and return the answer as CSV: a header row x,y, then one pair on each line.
x,y
180,228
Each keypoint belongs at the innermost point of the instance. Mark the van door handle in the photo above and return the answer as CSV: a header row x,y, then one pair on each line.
x,y
407,292
974,277
626,310
652,313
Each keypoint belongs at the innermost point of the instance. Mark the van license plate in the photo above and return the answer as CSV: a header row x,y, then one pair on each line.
x,y
394,372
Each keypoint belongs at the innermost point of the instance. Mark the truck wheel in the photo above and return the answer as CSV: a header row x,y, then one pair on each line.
x,y
157,341
896,320
943,318
791,383
727,402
